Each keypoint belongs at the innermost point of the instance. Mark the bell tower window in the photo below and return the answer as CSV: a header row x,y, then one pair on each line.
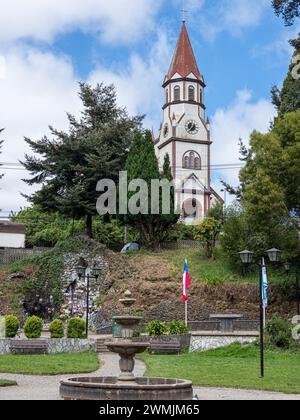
x,y
191,160
167,96
191,93
176,93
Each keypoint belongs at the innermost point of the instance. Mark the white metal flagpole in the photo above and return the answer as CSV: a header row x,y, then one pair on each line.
x,y
186,313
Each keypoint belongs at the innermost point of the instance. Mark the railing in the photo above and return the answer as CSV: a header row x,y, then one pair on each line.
x,y
11,255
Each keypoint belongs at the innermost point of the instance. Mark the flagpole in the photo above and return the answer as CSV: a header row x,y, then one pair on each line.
x,y
186,313
262,356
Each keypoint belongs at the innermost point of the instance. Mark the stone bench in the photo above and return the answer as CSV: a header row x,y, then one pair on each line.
x,y
226,321
164,347
28,346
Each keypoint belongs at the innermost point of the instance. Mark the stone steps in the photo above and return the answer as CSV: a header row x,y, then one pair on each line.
x,y
100,346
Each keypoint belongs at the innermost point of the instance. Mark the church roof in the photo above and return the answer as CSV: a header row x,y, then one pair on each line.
x,y
184,61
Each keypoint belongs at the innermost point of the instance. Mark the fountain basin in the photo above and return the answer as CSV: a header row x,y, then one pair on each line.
x,y
141,389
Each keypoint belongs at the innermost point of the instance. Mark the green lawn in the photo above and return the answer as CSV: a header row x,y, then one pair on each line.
x,y
53,364
231,367
4,383
215,271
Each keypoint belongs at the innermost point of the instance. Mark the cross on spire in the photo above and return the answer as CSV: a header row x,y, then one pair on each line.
x,y
184,11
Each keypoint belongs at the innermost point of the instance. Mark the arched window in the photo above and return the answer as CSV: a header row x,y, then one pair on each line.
x,y
197,163
191,93
176,93
167,96
191,160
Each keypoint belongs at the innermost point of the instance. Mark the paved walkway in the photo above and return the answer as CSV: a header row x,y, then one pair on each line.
x,y
47,387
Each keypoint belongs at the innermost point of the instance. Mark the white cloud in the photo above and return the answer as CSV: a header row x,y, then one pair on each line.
x,y
230,16
115,20
36,90
139,83
236,121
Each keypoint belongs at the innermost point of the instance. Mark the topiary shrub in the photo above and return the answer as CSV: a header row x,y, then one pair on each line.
x,y
11,326
76,328
177,328
33,327
57,329
156,329
279,334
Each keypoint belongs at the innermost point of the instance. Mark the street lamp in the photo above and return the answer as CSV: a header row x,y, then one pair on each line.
x,y
84,272
247,258
274,255
289,269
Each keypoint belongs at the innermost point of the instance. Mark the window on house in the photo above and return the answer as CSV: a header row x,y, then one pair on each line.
x,y
167,96
191,93
177,93
201,96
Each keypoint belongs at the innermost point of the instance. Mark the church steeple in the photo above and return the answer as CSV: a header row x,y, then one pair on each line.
x,y
184,62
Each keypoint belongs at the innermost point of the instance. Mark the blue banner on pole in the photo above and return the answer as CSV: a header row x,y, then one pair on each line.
x,y
264,286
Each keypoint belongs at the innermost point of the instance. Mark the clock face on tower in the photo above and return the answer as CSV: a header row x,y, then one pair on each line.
x,y
192,127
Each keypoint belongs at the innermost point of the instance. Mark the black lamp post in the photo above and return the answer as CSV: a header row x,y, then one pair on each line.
x,y
290,269
247,258
88,274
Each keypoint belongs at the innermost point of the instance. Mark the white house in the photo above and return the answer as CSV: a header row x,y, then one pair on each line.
x,y
185,133
12,235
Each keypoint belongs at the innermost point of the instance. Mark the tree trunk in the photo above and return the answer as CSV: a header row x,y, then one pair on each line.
x,y
89,226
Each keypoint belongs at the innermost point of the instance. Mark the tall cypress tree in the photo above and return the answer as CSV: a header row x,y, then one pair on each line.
x,y
142,164
70,164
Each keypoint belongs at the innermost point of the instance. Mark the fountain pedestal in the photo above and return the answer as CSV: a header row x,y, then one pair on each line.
x,y
126,386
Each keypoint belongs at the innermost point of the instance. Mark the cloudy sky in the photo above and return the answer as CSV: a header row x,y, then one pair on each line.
x,y
46,47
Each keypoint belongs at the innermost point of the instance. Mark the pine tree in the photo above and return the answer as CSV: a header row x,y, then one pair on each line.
x,y
142,164
70,164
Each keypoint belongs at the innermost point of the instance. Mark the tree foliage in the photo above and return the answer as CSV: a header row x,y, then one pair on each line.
x,y
288,9
208,231
142,164
69,165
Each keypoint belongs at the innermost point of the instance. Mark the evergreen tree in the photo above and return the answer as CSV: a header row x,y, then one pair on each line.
x,y
69,165
142,164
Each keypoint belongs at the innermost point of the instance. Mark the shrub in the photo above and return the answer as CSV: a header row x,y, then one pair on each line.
x,y
177,328
136,334
279,334
156,329
33,327
76,328
11,326
57,329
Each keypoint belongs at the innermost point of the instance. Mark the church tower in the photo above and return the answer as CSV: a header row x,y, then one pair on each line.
x,y
185,133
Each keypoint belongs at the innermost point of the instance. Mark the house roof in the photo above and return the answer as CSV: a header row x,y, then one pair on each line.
x,y
184,61
9,227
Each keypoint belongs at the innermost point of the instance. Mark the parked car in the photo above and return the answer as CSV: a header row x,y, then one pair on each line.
x,y
130,247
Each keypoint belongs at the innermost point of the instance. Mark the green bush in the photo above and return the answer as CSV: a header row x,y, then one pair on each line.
x,y
156,329
177,328
57,329
279,334
76,328
33,327
11,326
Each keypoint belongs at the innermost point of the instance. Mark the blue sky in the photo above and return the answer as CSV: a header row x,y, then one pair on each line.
x,y
241,47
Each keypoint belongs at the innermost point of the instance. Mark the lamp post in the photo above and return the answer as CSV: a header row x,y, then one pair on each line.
x,y
247,258
84,272
290,269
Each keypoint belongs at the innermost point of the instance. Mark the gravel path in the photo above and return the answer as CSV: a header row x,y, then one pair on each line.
x,y
47,387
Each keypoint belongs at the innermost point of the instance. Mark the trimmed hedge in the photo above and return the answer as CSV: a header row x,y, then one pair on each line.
x,y
11,326
76,328
57,329
33,327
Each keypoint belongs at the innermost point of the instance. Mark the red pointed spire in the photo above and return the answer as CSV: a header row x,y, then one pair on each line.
x,y
184,61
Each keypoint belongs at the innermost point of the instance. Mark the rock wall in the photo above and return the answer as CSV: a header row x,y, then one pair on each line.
x,y
61,345
208,342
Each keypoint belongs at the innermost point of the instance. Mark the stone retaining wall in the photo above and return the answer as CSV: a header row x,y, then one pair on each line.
x,y
213,341
61,345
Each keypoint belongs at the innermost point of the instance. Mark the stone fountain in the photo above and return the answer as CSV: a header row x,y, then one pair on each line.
x,y
126,386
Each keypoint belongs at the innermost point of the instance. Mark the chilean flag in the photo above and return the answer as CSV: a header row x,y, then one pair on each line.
x,y
186,282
